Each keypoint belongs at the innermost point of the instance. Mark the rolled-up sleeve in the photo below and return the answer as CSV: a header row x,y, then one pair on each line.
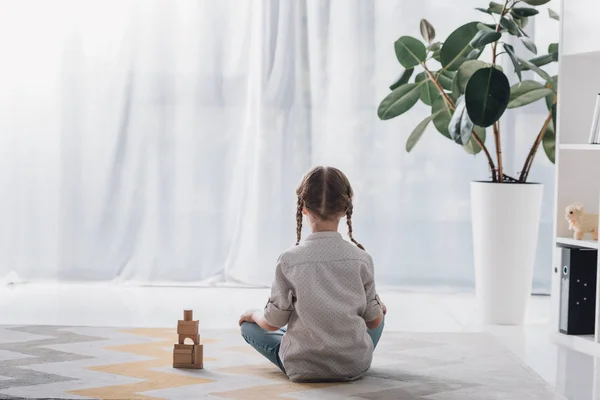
x,y
280,306
373,309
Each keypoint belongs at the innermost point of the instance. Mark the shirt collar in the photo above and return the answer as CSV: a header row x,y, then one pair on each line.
x,y
324,235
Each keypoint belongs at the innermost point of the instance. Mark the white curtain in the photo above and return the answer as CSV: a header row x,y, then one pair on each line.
x,y
160,141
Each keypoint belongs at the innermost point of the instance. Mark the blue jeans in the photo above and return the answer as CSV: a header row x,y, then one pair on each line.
x,y
267,343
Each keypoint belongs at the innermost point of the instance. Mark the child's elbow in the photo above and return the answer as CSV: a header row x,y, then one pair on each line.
x,y
262,322
375,323
271,328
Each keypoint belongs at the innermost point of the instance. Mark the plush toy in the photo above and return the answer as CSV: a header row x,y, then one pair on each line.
x,y
580,222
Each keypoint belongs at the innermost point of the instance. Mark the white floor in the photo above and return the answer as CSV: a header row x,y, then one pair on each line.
x,y
572,373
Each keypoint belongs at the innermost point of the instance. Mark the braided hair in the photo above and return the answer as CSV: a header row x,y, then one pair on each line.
x,y
327,194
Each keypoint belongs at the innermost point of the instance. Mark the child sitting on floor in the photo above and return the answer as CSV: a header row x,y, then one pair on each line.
x,y
323,291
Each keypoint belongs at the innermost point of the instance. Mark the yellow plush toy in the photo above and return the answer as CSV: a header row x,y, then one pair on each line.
x,y
580,222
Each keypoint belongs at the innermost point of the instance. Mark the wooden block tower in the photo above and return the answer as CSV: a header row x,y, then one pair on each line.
x,y
188,355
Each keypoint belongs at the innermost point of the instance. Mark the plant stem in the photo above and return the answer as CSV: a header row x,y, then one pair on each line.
x,y
496,127
495,44
534,148
475,136
487,154
439,87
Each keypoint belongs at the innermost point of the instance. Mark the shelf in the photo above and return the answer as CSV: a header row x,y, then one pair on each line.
x,y
588,244
581,343
579,146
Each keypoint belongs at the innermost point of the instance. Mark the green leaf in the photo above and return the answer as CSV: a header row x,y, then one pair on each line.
x,y
522,33
530,97
515,61
464,73
495,8
445,79
410,51
436,56
484,27
553,14
460,126
474,54
483,38
553,48
543,74
456,93
549,143
529,44
434,46
510,26
442,115
554,111
542,60
492,27
486,96
403,78
527,92
524,12
536,2
456,48
402,99
524,87
416,134
427,31
553,85
429,92
472,147
484,10
522,23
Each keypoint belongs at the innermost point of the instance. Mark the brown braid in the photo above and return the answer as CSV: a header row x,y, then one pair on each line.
x,y
299,220
349,222
326,193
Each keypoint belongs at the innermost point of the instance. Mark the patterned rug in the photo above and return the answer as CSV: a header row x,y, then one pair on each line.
x,y
111,363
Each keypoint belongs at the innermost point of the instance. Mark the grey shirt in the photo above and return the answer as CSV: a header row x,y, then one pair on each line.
x,y
324,291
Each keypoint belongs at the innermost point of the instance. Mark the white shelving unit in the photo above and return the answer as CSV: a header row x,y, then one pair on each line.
x,y
577,162
582,343
588,244
590,147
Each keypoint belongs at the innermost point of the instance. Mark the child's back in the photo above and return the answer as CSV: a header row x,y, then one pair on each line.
x,y
323,291
324,282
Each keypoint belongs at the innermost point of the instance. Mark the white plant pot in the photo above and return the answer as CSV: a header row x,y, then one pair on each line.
x,y
505,218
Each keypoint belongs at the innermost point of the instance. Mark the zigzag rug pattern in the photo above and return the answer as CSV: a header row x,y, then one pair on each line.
x,y
114,363
35,352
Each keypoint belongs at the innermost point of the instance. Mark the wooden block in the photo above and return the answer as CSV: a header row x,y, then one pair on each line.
x,y
183,351
188,315
194,338
188,366
182,358
184,346
198,354
194,323
187,330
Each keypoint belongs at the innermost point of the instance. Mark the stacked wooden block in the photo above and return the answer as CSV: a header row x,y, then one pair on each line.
x,y
188,355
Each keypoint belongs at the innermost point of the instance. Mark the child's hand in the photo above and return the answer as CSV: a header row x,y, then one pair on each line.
x,y
246,317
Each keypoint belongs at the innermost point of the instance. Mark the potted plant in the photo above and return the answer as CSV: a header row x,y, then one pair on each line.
x,y
467,95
